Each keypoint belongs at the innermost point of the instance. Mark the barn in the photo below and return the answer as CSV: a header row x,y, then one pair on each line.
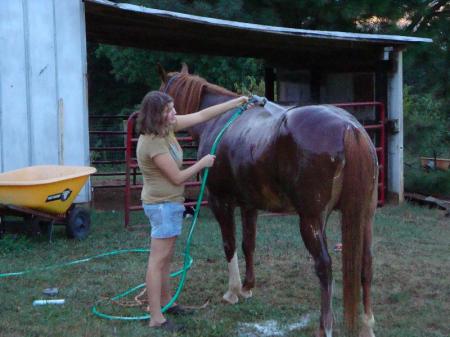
x,y
44,83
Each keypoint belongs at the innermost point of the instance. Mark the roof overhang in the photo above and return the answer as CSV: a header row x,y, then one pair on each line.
x,y
141,27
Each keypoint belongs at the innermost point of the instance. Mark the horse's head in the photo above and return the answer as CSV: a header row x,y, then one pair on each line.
x,y
167,78
186,89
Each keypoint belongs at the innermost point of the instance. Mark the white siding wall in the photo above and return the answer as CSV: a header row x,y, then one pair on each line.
x,y
43,96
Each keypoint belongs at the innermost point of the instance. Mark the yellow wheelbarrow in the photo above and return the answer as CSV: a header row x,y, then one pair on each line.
x,y
43,195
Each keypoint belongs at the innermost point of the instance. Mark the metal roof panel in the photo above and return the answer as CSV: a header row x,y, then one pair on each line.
x,y
313,34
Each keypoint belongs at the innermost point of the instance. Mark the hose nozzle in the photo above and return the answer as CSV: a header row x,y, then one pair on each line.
x,y
258,100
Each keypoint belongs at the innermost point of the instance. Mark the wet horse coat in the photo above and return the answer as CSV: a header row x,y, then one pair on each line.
x,y
311,160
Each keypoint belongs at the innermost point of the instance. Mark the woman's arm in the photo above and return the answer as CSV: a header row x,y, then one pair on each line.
x,y
176,176
186,121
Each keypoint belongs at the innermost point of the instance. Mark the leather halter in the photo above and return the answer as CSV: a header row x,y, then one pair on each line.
x,y
170,82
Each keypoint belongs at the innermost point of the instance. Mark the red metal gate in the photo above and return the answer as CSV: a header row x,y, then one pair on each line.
x,y
110,151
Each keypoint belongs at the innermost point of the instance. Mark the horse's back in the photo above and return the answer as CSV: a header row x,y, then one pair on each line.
x,y
283,161
318,128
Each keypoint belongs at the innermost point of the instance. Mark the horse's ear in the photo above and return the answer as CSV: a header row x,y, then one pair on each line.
x,y
162,73
184,68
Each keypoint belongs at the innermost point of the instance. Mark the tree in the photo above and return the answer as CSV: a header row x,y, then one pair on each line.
x,y
429,65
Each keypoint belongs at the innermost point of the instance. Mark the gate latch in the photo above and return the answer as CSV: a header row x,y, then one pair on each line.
x,y
392,126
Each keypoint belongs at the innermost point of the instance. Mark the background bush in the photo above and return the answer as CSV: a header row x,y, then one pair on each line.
x,y
427,125
431,182
427,134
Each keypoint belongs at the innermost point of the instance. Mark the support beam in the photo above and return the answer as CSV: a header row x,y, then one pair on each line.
x,y
395,144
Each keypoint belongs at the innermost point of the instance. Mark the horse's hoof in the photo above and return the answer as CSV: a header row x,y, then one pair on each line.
x,y
246,293
366,332
367,326
231,297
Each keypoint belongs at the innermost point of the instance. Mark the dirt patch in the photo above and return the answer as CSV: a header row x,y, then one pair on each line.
x,y
108,199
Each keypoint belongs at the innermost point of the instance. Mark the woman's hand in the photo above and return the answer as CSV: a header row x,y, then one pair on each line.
x,y
169,168
208,160
186,121
241,100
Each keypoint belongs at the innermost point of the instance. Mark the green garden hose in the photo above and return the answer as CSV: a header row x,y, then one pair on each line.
x,y
71,263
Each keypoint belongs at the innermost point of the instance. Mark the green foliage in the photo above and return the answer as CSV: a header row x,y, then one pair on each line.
x,y
135,66
426,134
427,66
250,86
427,127
109,95
431,182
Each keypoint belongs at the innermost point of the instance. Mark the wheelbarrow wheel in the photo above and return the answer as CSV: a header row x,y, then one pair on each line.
x,y
78,224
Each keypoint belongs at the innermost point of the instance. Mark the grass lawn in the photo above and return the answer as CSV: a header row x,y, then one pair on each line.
x,y
411,290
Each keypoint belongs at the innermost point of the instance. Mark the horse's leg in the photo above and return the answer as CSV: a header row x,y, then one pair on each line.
x,y
366,280
312,230
248,246
224,213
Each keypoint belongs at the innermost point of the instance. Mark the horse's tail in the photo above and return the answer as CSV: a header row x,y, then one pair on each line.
x,y
356,204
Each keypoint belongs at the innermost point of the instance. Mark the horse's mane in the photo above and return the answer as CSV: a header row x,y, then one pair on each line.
x,y
186,91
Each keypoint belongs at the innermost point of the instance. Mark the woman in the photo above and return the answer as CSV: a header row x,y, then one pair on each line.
x,y
160,160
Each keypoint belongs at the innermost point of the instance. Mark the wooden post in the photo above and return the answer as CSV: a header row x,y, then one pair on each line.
x,y
395,143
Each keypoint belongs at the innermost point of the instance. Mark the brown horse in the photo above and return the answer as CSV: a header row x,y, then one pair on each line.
x,y
311,160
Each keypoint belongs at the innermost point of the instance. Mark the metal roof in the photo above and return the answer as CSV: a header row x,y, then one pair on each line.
x,y
143,27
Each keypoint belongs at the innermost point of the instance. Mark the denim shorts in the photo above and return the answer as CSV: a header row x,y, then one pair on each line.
x,y
166,219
